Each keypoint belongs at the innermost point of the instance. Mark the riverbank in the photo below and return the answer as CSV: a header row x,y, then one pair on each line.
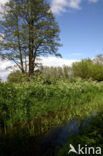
x,y
28,112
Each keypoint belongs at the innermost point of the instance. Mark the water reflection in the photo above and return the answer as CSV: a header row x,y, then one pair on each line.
x,y
42,145
58,136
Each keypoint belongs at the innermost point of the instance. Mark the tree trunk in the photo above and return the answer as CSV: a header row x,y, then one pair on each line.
x,y
31,46
31,57
19,47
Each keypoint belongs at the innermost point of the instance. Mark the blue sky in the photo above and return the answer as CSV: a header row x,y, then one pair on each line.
x,y
81,25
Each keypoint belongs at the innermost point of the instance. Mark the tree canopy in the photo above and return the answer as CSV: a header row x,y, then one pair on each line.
x,y
29,30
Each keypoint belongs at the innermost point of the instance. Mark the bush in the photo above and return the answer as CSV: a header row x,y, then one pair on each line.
x,y
17,77
82,69
88,69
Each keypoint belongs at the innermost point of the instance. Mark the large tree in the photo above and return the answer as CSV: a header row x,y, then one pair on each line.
x,y
29,30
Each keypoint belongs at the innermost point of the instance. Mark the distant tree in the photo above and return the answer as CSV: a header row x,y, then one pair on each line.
x,y
99,59
82,69
53,74
17,77
89,69
30,30
66,70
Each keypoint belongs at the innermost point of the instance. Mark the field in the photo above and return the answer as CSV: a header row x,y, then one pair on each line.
x,y
31,110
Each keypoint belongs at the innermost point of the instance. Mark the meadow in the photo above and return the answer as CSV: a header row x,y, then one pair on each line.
x,y
32,109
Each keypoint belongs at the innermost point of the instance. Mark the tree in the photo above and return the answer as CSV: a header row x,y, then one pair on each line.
x,y
99,59
29,30
16,77
83,68
89,69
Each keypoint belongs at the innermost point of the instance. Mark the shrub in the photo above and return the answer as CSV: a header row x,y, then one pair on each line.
x,y
88,69
17,77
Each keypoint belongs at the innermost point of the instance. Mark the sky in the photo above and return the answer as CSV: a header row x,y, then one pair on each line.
x,y
81,26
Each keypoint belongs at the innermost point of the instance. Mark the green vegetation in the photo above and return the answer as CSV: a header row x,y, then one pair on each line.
x,y
17,77
86,69
36,99
47,75
89,69
29,110
23,103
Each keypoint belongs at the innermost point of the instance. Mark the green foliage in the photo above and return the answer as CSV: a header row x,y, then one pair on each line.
x,y
25,102
29,110
97,72
8,96
51,75
89,69
81,69
29,30
17,77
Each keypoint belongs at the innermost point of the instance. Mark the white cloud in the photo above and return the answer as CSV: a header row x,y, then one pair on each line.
x,y
55,62
4,64
2,2
46,61
75,4
3,71
4,74
59,6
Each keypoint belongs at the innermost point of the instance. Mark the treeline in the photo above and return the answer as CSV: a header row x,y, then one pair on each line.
x,y
84,69
89,68
43,74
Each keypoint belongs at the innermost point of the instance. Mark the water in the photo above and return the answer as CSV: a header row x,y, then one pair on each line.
x,y
58,136
42,145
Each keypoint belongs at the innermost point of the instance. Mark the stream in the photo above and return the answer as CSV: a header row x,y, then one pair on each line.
x,y
58,136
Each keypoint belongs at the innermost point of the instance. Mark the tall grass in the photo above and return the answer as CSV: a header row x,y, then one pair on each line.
x,y
37,107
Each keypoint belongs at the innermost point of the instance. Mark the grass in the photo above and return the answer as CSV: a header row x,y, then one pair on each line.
x,y
29,110
30,104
